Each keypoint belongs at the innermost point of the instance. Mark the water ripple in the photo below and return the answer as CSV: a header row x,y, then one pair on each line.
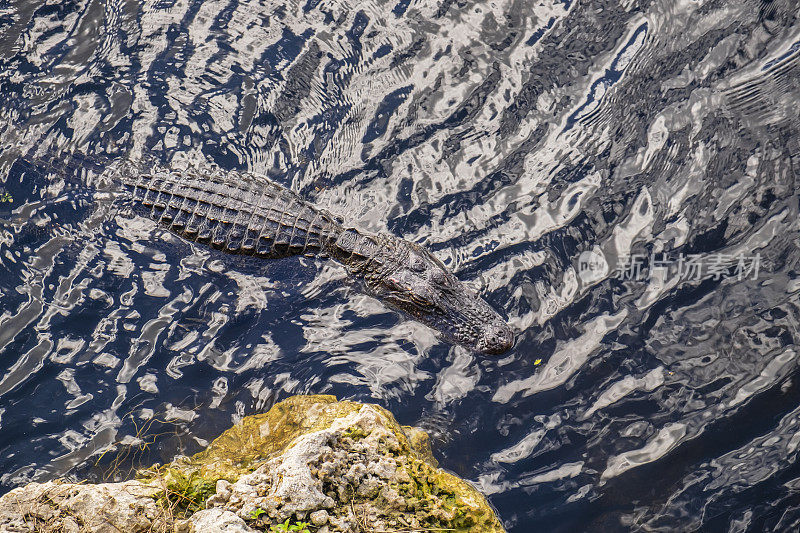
x,y
521,143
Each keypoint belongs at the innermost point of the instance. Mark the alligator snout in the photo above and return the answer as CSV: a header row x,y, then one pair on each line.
x,y
496,339
410,279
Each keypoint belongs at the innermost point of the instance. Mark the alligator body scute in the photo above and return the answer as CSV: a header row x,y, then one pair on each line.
x,y
246,214
248,217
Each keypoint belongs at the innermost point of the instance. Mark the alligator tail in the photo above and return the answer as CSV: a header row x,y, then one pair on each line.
x,y
235,212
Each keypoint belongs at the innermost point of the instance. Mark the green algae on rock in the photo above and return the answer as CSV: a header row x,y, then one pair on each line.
x,y
259,437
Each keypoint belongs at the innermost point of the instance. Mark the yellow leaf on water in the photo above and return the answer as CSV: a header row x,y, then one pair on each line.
x,y
537,362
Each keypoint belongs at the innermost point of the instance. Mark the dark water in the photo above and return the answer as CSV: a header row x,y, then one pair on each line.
x,y
620,179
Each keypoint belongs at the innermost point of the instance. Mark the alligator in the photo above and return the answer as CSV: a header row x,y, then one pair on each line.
x,y
248,214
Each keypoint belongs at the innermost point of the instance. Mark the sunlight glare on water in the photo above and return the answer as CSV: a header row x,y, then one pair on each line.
x,y
619,179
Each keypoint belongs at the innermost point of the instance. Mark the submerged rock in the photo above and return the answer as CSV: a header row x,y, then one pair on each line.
x,y
333,466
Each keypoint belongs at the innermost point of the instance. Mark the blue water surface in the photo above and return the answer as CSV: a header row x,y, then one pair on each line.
x,y
619,179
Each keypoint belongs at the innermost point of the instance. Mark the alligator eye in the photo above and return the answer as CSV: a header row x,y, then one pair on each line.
x,y
395,285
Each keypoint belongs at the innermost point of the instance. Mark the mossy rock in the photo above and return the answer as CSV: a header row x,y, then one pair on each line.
x,y
188,491
258,438
431,497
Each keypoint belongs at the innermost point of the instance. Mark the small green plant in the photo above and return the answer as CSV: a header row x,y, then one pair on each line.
x,y
254,514
298,527
186,494
5,197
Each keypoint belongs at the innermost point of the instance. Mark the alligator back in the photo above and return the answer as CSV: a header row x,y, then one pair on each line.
x,y
235,212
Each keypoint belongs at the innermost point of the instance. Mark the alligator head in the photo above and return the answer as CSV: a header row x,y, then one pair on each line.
x,y
409,278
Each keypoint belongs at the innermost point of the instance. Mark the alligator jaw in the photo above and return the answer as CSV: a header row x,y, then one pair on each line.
x,y
472,323
409,278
